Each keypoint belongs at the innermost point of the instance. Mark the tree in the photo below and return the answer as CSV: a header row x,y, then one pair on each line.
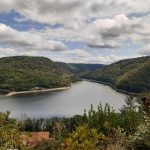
x,y
84,138
10,135
131,116
141,138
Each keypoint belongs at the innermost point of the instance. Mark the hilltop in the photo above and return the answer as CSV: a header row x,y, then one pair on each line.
x,y
22,73
132,75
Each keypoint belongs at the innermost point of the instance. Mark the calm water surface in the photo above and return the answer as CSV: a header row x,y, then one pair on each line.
x,y
64,103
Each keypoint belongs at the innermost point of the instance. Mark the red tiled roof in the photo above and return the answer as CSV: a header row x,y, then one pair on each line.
x,y
37,136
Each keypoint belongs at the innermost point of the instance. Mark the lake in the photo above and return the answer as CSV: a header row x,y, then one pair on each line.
x,y
63,103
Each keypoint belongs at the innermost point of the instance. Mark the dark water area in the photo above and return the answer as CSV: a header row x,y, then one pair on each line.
x,y
66,103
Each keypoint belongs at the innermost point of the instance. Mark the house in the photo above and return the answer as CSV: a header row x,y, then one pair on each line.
x,y
36,137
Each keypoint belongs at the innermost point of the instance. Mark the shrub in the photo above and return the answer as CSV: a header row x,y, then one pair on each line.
x,y
84,138
10,135
141,138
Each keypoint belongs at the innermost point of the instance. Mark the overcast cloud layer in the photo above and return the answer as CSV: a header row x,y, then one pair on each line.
x,y
87,31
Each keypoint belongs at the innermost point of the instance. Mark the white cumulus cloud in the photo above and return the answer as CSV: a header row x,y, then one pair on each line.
x,y
10,37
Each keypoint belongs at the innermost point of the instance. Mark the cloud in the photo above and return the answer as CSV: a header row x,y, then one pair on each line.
x,y
111,33
145,51
84,56
100,59
76,55
105,32
98,24
4,52
70,56
62,11
79,53
10,37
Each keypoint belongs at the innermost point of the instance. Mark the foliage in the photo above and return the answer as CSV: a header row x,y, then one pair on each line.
x,y
141,138
47,145
22,73
131,115
44,145
84,138
132,75
10,135
35,125
118,140
105,119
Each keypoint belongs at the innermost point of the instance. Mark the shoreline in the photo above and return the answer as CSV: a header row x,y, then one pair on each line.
x,y
37,91
14,93
112,86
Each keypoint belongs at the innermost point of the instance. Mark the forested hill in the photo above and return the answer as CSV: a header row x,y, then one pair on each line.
x,y
131,75
21,73
78,68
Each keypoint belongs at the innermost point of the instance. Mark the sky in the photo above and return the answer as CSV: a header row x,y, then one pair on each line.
x,y
75,31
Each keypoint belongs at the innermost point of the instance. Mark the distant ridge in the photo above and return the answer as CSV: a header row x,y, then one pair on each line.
x,y
81,67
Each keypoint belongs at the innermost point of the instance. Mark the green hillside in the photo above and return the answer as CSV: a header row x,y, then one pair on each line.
x,y
79,68
131,75
24,73
82,68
